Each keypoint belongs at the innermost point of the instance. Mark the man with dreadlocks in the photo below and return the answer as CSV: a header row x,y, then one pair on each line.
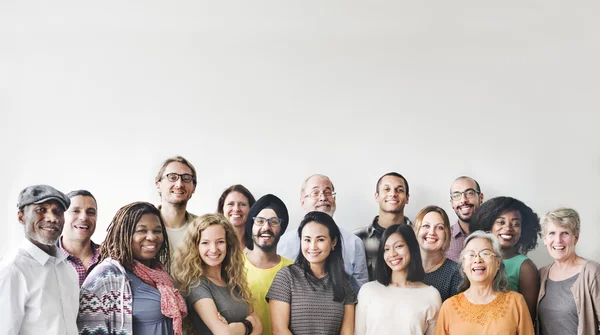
x,y
130,291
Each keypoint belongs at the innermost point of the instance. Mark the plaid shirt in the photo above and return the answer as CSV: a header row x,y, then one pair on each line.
x,y
78,264
371,237
457,237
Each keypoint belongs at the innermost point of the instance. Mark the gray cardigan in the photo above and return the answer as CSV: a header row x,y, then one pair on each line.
x,y
586,292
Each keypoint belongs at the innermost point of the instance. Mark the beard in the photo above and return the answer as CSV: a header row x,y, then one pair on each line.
x,y
265,247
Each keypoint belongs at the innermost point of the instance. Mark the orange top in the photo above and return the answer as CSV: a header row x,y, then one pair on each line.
x,y
506,314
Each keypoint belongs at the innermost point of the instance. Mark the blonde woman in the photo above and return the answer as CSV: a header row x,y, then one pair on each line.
x,y
209,270
432,228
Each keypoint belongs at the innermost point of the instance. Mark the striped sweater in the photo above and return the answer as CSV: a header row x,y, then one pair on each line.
x,y
105,301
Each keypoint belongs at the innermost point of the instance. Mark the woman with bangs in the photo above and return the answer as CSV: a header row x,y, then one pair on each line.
x,y
432,228
517,228
398,302
209,271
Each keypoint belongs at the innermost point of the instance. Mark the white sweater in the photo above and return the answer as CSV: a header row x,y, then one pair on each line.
x,y
395,310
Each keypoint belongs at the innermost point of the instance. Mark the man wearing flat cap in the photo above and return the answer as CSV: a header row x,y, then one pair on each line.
x,y
39,288
267,220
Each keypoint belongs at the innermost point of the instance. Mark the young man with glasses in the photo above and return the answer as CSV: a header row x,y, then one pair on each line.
x,y
465,198
267,220
392,194
318,194
176,183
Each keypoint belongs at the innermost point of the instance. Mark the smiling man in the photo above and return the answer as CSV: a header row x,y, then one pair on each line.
x,y
76,242
176,183
392,194
267,220
465,199
39,287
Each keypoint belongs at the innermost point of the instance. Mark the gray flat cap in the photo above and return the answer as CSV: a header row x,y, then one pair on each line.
x,y
38,194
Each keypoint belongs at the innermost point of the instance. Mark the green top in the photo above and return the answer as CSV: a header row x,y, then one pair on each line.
x,y
512,266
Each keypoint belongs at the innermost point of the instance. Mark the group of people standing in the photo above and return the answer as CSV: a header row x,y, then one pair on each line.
x,y
163,270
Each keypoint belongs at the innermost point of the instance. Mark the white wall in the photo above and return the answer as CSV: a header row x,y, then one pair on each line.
x,y
96,95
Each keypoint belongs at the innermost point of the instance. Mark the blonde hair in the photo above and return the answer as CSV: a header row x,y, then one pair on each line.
x,y
563,217
187,269
419,222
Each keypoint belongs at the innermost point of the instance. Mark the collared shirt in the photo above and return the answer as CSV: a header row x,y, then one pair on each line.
x,y
82,272
457,238
371,238
353,250
39,291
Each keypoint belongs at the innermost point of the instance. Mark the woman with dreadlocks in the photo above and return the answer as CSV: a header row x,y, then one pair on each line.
x,y
517,228
130,292
209,271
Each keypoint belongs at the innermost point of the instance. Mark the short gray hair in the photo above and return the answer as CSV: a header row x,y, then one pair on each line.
x,y
314,175
500,282
563,217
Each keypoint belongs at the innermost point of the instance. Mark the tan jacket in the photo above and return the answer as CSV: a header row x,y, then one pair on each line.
x,y
586,292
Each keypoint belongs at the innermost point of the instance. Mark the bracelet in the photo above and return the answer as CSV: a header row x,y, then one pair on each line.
x,y
248,326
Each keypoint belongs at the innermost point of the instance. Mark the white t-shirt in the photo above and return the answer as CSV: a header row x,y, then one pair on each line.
x,y
385,310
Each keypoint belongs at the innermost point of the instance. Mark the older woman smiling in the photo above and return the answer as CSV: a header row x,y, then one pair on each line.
x,y
485,304
570,287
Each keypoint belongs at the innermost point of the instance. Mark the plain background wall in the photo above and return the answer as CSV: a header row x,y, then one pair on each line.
x,y
95,95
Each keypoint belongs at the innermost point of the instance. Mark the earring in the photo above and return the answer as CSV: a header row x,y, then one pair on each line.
x,y
333,248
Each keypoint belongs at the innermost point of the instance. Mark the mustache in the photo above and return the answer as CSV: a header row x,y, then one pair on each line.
x,y
269,232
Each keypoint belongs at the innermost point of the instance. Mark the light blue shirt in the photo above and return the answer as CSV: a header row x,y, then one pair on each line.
x,y
355,260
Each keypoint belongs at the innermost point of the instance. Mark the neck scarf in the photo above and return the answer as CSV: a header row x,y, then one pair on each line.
x,y
172,304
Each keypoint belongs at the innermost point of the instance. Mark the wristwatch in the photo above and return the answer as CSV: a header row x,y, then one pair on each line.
x,y
248,325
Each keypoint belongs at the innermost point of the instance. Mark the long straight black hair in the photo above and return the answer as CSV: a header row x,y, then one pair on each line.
x,y
334,264
383,273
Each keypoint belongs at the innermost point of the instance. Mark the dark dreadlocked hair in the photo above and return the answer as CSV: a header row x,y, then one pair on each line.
x,y
489,211
119,235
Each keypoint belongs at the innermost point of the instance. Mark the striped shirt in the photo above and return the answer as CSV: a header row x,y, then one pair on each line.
x,y
78,264
371,237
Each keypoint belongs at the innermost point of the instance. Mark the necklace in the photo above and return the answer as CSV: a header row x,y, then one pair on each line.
x,y
433,267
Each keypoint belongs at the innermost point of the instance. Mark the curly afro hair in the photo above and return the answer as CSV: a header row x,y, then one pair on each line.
x,y
489,211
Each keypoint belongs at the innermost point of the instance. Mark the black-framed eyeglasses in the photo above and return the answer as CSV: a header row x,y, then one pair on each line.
x,y
483,254
469,193
173,177
273,222
315,194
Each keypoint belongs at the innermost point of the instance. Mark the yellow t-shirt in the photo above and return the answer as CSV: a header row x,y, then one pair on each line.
x,y
259,282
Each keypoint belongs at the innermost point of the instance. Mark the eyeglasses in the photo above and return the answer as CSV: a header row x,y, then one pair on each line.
x,y
315,194
483,254
273,222
469,193
173,177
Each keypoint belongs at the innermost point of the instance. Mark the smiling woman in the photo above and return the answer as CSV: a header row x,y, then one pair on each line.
x,y
130,287
235,203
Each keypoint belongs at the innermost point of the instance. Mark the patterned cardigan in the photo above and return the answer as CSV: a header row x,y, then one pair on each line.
x,y
105,301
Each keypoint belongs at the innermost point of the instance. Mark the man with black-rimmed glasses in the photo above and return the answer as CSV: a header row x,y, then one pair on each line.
x,y
465,198
176,183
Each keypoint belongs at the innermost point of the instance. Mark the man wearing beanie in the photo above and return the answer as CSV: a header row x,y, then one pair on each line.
x,y
318,194
39,287
267,220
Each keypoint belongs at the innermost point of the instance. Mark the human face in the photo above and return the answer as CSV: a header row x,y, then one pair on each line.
x,y
213,245
321,203
480,270
148,238
396,253
391,195
316,243
465,206
266,237
432,234
178,192
560,241
507,229
236,208
43,223
80,219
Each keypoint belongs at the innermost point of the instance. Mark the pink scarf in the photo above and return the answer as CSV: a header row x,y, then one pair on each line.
x,y
171,302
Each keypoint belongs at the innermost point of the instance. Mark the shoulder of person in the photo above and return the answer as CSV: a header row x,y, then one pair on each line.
x,y
362,232
591,267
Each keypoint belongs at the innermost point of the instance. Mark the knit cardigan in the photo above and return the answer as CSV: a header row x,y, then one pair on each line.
x,y
105,301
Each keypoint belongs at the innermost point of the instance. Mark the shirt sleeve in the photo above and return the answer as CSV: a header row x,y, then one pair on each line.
x,y
14,292
201,291
361,272
525,326
443,320
433,311
281,288
360,316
